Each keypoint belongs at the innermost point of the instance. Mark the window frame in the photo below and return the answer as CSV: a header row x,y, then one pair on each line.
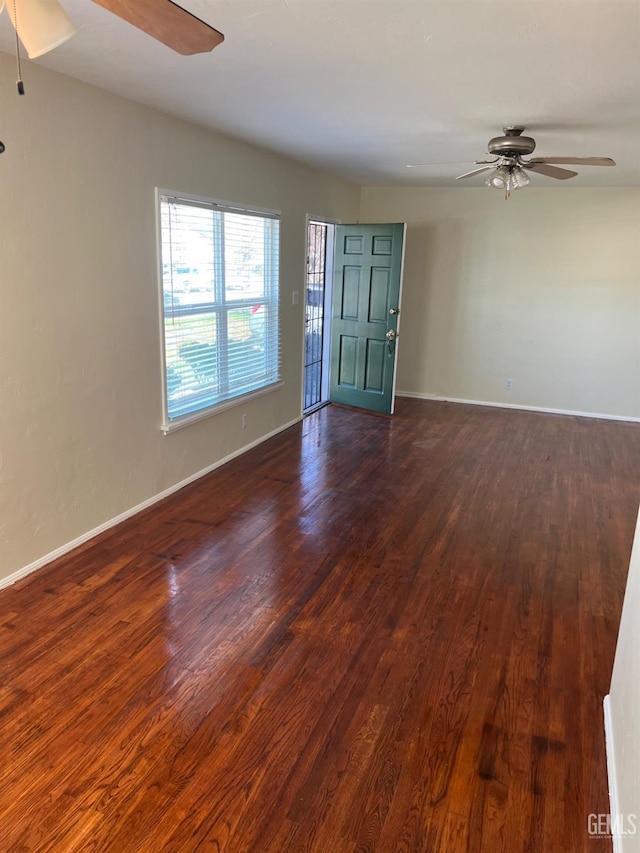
x,y
271,302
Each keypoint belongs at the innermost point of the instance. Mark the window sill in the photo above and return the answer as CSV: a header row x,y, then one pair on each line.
x,y
187,420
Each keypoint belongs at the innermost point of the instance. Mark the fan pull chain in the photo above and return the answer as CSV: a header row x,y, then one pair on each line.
x,y
19,82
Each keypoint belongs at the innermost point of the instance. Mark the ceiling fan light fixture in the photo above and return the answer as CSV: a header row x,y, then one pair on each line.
x,y
498,178
519,178
41,25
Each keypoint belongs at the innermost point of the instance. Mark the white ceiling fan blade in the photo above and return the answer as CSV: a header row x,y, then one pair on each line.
x,y
550,171
438,163
575,161
474,172
449,163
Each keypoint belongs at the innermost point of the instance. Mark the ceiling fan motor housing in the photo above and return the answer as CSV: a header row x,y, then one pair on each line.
x,y
512,144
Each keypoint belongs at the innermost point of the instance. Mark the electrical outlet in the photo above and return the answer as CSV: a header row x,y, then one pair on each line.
x,y
295,297
244,422
508,384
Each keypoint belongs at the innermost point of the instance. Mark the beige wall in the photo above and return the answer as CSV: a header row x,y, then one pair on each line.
x,y
623,711
543,289
80,386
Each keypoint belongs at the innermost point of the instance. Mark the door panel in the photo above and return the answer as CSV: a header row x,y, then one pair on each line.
x,y
348,361
350,293
379,295
374,374
366,303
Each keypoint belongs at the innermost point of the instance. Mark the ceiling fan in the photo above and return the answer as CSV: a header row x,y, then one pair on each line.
x,y
167,22
43,24
508,168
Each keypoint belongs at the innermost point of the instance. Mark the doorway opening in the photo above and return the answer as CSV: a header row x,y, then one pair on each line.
x,y
317,316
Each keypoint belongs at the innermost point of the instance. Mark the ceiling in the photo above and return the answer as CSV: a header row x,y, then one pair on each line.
x,y
364,87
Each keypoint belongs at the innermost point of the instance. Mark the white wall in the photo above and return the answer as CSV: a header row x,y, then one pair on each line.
x,y
80,438
623,711
543,289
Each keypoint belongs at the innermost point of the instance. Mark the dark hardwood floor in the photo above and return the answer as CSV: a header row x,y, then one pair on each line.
x,y
366,634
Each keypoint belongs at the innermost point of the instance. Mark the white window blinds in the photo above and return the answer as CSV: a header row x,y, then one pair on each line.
x,y
220,303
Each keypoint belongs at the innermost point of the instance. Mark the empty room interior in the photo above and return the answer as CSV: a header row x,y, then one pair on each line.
x,y
320,426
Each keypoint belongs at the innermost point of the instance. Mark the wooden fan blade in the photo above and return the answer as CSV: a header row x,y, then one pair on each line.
x,y
550,171
168,23
474,172
575,161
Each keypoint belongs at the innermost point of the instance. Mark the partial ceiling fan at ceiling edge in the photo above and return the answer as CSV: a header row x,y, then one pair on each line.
x,y
168,23
43,25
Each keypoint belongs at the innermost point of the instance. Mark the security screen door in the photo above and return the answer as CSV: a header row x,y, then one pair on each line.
x,y
365,315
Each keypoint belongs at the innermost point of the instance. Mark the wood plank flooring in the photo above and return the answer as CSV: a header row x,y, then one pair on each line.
x,y
366,634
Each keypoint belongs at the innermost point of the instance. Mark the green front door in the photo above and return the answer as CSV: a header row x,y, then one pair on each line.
x,y
366,308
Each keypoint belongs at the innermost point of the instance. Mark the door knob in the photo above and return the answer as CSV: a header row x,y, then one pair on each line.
x,y
391,336
394,310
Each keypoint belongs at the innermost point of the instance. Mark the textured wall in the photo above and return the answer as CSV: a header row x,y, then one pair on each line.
x,y
624,709
543,289
80,438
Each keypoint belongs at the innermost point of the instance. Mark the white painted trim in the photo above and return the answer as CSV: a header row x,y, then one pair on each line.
x,y
517,406
112,522
327,317
394,392
212,411
611,769
232,206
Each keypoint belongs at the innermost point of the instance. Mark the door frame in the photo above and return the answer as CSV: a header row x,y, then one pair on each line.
x,y
399,323
328,295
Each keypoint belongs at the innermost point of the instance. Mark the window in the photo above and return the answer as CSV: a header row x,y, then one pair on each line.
x,y
219,268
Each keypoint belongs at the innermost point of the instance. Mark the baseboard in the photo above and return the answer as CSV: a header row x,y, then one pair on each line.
x,y
611,769
112,522
519,406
